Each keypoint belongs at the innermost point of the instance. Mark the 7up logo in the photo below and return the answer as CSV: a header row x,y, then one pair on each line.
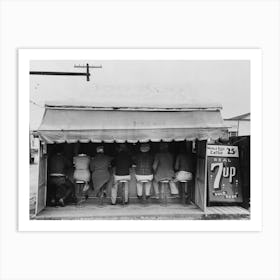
x,y
223,171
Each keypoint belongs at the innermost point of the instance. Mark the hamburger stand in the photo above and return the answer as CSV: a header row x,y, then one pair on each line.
x,y
217,191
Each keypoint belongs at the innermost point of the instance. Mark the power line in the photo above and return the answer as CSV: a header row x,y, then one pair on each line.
x,y
57,73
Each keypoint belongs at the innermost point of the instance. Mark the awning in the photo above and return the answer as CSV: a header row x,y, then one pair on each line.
x,y
73,124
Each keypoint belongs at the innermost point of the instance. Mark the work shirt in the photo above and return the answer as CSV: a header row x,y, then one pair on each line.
x,y
99,166
59,164
144,164
184,163
163,165
81,162
122,162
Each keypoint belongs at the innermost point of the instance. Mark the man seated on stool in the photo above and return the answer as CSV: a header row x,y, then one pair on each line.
x,y
122,163
82,172
60,187
163,168
184,167
144,170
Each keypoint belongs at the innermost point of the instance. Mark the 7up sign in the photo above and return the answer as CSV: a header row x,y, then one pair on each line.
x,y
223,174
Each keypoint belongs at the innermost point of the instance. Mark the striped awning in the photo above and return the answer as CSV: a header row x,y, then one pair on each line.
x,y
80,124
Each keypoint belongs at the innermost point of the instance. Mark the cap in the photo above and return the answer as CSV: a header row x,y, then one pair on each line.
x,y
100,149
144,148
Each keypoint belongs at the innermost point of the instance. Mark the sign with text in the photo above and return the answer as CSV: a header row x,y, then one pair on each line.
x,y
222,151
223,174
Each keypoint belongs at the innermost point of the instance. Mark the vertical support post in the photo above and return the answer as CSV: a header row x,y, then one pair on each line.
x,y
183,188
144,192
205,181
42,180
123,193
165,193
45,156
237,128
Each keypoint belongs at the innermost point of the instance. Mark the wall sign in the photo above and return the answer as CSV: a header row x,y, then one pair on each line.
x,y
223,174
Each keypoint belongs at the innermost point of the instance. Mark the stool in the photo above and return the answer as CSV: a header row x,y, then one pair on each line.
x,y
79,185
183,183
144,190
163,194
123,182
101,198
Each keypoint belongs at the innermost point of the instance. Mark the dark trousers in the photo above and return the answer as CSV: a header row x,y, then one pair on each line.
x,y
60,188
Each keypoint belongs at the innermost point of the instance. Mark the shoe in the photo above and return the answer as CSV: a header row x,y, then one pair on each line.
x,y
61,203
113,203
86,197
52,203
139,196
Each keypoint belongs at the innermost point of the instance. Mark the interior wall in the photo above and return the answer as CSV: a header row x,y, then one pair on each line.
x,y
71,150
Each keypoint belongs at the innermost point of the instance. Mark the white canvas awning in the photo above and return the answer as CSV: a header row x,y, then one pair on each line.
x,y
91,124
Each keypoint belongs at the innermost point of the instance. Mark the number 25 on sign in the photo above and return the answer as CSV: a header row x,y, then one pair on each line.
x,y
225,171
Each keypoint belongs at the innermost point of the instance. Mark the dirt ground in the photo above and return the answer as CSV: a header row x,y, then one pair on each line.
x,y
33,169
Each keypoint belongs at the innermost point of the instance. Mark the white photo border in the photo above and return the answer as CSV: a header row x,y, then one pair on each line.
x,y
255,58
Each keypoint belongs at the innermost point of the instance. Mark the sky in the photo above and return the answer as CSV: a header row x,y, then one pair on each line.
x,y
143,83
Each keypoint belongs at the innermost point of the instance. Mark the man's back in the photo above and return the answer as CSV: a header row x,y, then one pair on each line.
x,y
58,164
122,163
144,163
100,162
165,160
184,163
163,166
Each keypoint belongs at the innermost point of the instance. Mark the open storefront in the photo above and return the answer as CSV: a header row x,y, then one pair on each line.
x,y
83,128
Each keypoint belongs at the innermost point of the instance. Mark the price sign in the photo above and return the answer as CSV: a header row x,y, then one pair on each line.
x,y
223,174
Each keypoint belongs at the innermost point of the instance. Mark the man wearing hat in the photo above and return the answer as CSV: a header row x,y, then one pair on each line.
x,y
144,170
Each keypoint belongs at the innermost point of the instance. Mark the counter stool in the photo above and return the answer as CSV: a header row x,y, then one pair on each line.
x,y
144,191
123,183
79,185
101,198
184,188
163,193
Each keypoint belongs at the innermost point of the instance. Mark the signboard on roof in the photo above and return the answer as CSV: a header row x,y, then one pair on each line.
x,y
223,170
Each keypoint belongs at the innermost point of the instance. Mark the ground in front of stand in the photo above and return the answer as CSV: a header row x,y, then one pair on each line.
x,y
91,211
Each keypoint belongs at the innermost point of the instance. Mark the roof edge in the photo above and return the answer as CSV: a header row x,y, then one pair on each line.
x,y
136,108
239,117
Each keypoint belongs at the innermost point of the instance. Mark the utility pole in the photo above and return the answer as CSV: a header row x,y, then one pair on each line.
x,y
56,73
87,66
